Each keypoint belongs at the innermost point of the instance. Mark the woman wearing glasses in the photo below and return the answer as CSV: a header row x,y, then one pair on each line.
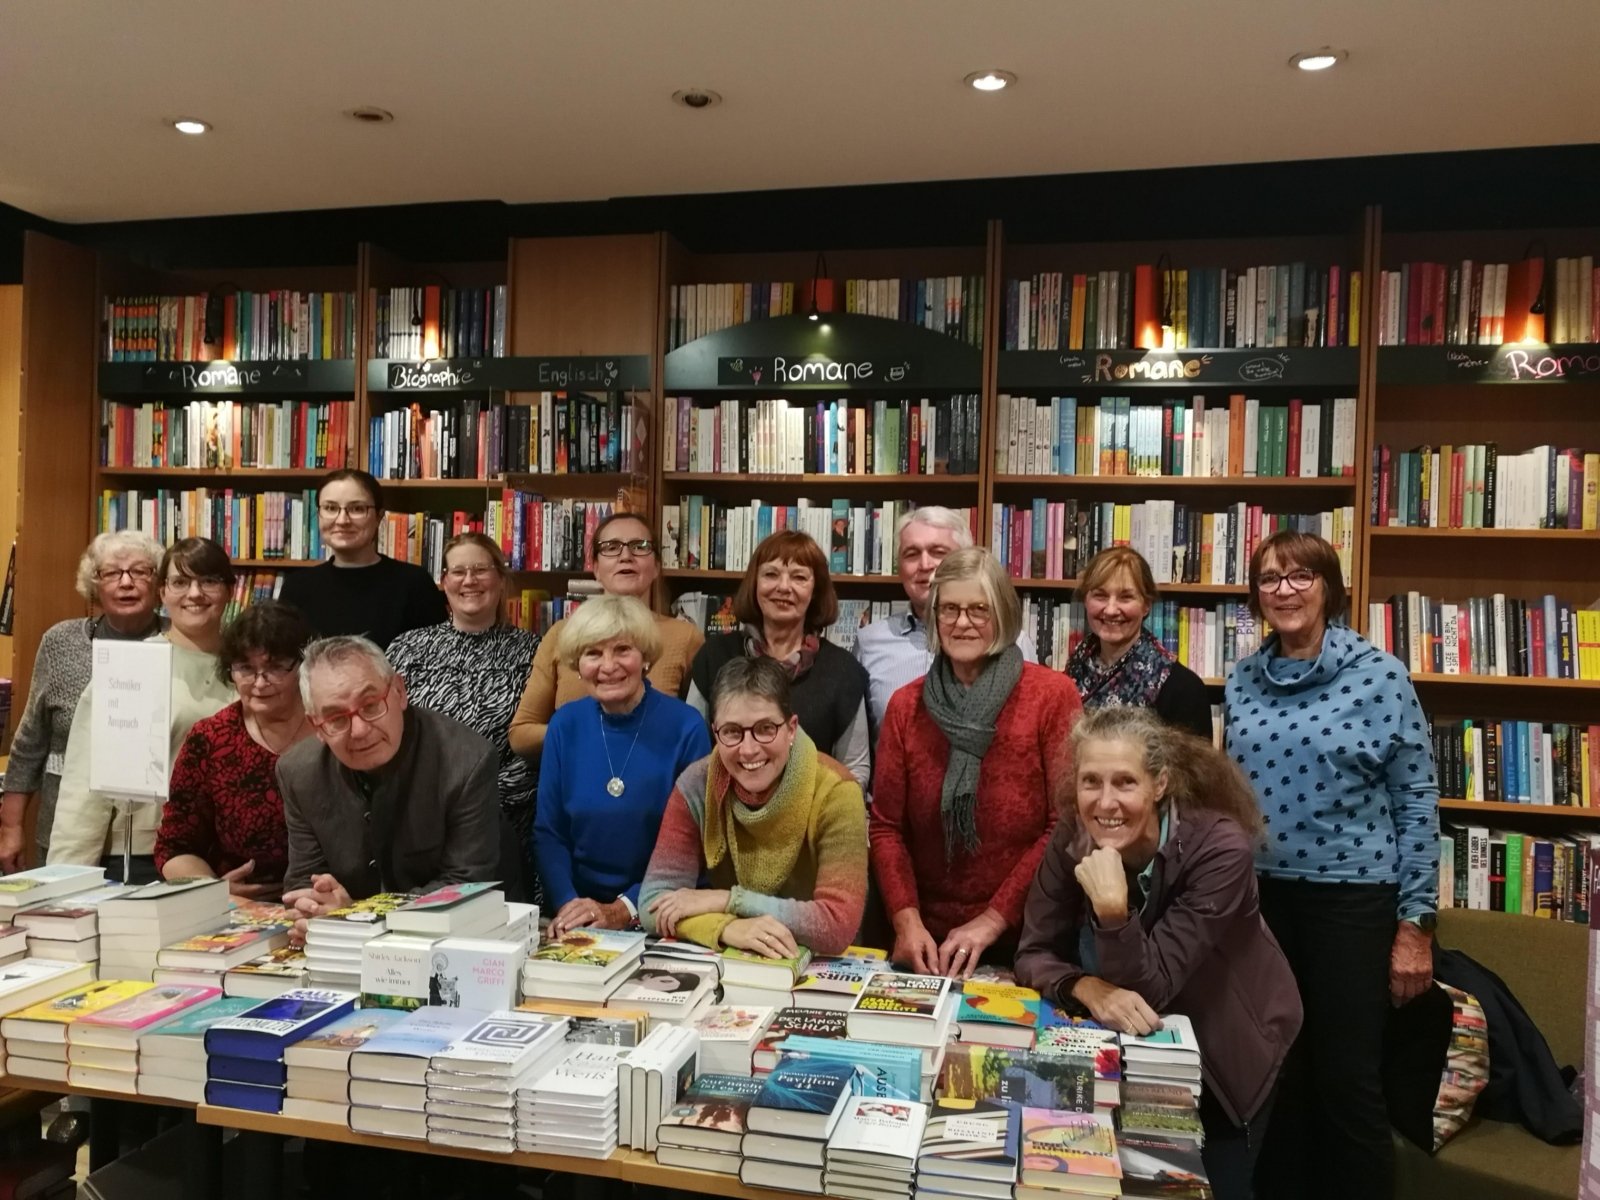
x,y
608,767
1329,732
474,666
784,602
196,579
774,831
1120,662
358,590
624,552
117,575
972,760
224,814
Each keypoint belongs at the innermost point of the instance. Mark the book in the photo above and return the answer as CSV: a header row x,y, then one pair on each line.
x,y
756,1172
182,1039
595,952
476,973
329,1048
595,1024
1154,1165
903,1008
665,995
1069,1150
802,1098
997,1014
265,1030
757,970
710,1114
29,980
121,1025
267,975
879,1133
881,1070
25,889
1056,1080
834,983
72,918
980,1146
224,948
506,1043
728,1037
396,971
459,908
255,1097
358,921
792,1021
168,900
400,1053
47,1020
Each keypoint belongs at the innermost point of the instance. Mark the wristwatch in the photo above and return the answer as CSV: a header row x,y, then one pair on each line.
x,y
1427,922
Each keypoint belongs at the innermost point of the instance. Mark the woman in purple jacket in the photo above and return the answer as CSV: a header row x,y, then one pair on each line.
x,y
1146,903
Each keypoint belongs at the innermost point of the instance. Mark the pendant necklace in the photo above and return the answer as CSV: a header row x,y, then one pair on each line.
x,y
615,785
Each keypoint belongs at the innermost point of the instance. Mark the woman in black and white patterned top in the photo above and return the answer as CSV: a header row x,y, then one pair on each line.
x,y
474,666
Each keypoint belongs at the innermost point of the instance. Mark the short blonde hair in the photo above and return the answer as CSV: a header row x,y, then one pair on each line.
x,y
601,618
977,563
103,547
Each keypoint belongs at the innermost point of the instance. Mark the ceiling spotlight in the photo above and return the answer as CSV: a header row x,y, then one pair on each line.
x,y
1319,60
991,81
696,98
368,114
190,126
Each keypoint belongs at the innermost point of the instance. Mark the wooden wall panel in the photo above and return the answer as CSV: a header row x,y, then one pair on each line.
x,y
10,410
589,295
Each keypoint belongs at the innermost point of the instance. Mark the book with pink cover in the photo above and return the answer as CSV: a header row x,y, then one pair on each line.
x,y
147,1008
449,895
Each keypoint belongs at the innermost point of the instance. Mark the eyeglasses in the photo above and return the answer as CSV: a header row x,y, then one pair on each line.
x,y
372,711
356,512
763,731
613,547
1298,580
206,583
110,575
476,571
276,672
977,615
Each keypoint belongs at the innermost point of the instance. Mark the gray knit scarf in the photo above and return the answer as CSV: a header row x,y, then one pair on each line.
x,y
967,716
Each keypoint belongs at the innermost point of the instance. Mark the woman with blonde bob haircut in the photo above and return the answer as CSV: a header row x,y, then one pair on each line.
x,y
1146,903
968,763
1119,661
593,832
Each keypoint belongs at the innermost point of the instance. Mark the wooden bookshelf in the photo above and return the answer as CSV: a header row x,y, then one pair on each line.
x,y
1499,808
183,476
1531,683
1485,535
1163,483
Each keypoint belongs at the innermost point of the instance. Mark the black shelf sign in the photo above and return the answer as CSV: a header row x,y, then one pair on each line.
x,y
838,352
224,377
1489,364
1262,367
602,373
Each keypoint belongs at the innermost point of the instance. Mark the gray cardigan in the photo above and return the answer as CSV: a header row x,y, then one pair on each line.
x,y
428,817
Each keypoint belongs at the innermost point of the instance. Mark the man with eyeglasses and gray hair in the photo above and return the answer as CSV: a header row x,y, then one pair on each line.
x,y
387,797
895,652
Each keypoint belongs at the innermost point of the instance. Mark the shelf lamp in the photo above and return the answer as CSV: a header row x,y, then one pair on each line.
x,y
1152,312
1525,297
817,294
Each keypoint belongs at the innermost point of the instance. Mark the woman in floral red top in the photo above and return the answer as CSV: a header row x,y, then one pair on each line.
x,y
224,814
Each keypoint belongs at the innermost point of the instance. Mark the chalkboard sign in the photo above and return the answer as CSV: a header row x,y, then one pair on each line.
x,y
224,377
605,373
1489,364
841,352
1251,368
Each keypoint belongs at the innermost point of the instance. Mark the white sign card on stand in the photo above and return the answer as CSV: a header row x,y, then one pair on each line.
x,y
130,747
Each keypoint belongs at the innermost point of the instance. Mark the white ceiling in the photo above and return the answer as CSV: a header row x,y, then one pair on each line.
x,y
536,100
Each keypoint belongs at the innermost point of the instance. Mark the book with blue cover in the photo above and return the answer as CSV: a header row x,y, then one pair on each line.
x,y
259,1071
244,1095
802,1097
400,1052
264,1031
881,1070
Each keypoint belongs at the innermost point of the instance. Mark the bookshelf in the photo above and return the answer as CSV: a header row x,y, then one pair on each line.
x,y
1126,350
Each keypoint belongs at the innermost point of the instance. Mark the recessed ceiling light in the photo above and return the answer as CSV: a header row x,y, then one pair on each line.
x,y
697,98
1319,60
192,127
991,81
370,115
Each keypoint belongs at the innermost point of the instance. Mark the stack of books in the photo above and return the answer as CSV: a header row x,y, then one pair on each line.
x,y
997,1014
1158,1166
1078,1039
1067,1154
103,1047
138,922
728,1037
1041,1080
460,910
172,1055
970,1150
906,1010
203,959
882,1070
585,964
649,1083
834,983
67,929
759,981
705,1129
408,970
522,925
1170,1055
268,975
29,889
669,954
595,1024
790,1121
572,1108
13,944
334,941
794,1021
473,1084
677,996
36,1036
244,1054
389,1072
872,1152
317,1068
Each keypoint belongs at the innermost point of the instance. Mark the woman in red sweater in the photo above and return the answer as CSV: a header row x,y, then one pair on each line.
x,y
972,761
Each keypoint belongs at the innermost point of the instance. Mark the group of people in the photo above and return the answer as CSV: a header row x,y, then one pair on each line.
x,y
379,730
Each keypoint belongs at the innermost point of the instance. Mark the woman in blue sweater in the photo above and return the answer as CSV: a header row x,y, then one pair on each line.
x,y
1330,734
609,764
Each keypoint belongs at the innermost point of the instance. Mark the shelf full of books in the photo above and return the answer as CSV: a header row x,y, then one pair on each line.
x,y
232,326
227,434
433,321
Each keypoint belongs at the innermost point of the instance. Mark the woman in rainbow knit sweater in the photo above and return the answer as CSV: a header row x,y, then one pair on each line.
x,y
764,843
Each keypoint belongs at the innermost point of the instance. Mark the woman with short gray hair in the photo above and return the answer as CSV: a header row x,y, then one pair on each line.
x,y
116,575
